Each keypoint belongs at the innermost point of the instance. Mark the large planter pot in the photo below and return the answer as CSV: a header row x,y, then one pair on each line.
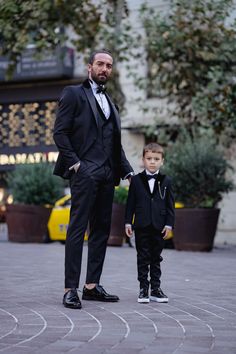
x,y
27,223
117,233
195,229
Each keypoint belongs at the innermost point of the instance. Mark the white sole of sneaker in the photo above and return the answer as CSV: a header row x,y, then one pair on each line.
x,y
143,301
156,299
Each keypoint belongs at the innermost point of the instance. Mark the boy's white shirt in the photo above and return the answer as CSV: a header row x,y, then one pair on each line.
x,y
151,183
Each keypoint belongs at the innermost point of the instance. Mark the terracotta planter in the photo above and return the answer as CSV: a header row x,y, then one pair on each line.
x,y
27,223
195,229
117,233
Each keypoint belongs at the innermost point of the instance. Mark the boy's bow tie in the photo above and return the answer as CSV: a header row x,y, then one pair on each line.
x,y
101,89
151,176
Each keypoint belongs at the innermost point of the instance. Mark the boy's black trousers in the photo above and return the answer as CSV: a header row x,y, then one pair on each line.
x,y
149,245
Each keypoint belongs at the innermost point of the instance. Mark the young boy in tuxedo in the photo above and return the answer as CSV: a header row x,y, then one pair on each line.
x,y
150,208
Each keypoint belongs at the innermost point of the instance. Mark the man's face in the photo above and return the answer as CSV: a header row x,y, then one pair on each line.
x,y
153,161
101,68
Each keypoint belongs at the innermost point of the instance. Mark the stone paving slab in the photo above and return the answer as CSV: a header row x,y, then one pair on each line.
x,y
199,318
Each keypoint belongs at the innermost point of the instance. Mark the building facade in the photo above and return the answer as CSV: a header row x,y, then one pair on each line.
x,y
28,105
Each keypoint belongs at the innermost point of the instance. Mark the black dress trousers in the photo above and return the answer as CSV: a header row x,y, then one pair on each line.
x,y
149,245
92,190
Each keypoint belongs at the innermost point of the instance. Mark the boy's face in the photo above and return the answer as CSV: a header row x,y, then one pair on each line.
x,y
152,161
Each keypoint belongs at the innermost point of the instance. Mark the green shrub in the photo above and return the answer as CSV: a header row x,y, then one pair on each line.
x,y
198,169
120,195
35,184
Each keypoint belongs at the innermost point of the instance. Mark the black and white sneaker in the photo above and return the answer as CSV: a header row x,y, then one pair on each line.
x,y
143,297
158,296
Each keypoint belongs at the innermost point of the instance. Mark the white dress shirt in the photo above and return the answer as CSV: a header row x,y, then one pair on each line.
x,y
101,98
151,182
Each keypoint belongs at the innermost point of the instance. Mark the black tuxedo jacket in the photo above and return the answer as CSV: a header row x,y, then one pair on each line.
x,y
76,129
145,208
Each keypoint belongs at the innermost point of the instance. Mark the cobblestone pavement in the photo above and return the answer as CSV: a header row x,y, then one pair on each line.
x,y
199,318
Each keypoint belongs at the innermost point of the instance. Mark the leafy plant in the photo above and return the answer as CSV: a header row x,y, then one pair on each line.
x,y
216,105
43,24
199,170
35,184
85,24
120,195
191,62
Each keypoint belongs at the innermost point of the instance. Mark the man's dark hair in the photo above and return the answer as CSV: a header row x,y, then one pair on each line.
x,y
98,51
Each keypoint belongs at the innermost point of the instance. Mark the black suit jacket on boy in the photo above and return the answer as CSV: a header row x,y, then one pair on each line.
x,y
76,129
148,208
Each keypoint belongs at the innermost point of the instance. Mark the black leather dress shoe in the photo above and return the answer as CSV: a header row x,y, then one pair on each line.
x,y
71,299
98,293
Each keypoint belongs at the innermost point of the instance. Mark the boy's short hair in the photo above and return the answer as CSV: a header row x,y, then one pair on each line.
x,y
98,51
153,147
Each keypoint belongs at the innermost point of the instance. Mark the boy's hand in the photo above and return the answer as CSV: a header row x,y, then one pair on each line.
x,y
128,230
166,231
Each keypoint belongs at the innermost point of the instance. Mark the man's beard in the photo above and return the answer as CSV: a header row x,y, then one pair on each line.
x,y
98,80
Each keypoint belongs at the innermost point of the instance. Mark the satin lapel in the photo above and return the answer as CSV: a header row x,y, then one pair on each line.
x,y
160,178
145,181
89,93
115,111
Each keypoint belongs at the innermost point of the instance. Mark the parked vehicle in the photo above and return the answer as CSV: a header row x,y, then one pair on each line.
x,y
59,220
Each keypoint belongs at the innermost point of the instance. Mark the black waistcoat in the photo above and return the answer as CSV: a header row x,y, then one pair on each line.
x,y
103,148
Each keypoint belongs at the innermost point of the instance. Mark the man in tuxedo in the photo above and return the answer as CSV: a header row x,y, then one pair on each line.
x,y
87,133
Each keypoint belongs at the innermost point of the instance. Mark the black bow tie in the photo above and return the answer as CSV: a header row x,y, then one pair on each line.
x,y
151,176
101,89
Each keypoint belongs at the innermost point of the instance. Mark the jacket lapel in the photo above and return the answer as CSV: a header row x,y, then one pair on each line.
x,y
90,96
145,181
160,178
116,114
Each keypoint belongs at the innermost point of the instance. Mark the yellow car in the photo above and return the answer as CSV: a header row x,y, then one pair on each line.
x,y
59,220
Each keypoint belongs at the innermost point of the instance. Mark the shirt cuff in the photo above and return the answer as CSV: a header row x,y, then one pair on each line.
x,y
168,227
129,175
75,166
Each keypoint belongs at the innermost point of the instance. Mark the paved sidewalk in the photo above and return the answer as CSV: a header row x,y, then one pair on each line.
x,y
199,318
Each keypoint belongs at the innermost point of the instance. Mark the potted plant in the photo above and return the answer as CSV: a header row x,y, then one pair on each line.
x,y
34,189
117,234
199,171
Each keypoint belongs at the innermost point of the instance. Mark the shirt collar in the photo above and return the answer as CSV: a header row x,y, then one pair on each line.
x,y
151,174
93,85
